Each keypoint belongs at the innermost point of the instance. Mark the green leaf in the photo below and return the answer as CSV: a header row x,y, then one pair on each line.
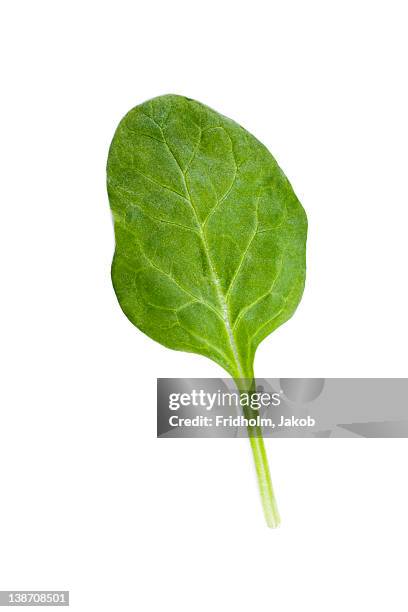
x,y
210,240
210,237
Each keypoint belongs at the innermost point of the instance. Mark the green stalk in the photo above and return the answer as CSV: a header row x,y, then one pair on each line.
x,y
269,505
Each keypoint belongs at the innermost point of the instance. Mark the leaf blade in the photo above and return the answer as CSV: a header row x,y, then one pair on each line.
x,y
202,201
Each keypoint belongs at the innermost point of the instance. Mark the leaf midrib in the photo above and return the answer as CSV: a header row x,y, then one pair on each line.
x,y
221,297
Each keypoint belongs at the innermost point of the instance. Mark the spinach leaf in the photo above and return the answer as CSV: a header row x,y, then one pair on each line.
x,y
210,238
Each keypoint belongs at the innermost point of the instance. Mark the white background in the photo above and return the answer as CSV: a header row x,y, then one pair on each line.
x,y
90,501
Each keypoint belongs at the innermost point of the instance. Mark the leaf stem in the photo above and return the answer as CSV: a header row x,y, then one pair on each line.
x,y
269,504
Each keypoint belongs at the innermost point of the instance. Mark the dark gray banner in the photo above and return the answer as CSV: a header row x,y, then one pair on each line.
x,y
283,408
